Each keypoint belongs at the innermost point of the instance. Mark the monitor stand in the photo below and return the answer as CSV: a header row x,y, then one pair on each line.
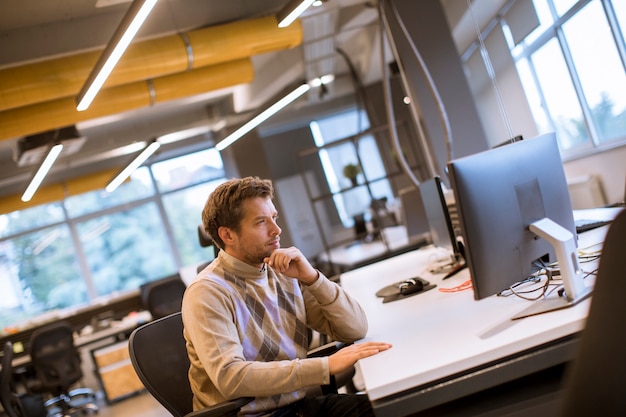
x,y
450,268
562,240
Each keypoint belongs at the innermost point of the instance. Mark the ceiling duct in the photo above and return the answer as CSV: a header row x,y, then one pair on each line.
x,y
62,112
31,150
64,76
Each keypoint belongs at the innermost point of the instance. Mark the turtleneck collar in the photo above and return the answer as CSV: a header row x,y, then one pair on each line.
x,y
240,268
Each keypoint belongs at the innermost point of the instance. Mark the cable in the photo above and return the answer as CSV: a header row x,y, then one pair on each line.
x,y
393,130
429,81
490,71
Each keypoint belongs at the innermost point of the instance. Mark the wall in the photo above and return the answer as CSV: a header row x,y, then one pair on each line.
x,y
428,28
609,165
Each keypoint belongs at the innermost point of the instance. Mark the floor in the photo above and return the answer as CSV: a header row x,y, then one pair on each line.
x,y
139,405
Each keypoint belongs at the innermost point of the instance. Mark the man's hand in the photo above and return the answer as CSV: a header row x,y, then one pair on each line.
x,y
344,358
291,262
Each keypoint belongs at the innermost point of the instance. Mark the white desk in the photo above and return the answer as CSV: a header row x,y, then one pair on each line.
x,y
446,345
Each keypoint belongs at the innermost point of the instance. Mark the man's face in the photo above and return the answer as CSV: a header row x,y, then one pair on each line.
x,y
259,234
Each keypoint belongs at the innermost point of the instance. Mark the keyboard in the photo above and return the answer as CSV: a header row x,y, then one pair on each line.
x,y
584,225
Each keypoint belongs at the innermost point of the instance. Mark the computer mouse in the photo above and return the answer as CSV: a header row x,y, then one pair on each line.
x,y
411,286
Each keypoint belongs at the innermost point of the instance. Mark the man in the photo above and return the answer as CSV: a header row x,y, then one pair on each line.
x,y
246,315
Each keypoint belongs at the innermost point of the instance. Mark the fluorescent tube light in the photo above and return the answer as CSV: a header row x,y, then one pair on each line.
x,y
263,116
41,173
124,34
292,11
183,134
140,159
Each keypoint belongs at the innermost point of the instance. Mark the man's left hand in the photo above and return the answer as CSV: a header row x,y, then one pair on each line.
x,y
290,261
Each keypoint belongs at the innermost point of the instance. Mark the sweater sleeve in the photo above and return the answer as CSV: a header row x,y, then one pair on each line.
x,y
331,311
219,370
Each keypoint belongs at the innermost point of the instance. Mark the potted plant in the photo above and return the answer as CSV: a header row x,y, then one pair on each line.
x,y
351,171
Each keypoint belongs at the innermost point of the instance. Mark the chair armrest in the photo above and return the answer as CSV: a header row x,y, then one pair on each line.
x,y
336,381
326,350
223,409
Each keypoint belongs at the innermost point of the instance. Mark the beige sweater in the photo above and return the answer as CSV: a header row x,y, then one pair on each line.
x,y
246,333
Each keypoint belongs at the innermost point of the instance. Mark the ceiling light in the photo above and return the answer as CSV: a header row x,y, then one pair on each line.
x,y
183,134
42,172
292,11
324,79
113,153
126,172
126,31
263,116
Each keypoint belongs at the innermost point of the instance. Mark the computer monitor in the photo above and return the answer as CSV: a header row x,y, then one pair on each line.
x,y
507,197
413,215
440,224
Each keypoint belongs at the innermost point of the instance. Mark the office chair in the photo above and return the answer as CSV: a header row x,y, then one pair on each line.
x,y
159,356
595,381
164,296
57,366
205,242
14,404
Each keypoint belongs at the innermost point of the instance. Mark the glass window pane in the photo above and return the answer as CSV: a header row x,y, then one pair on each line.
x,y
599,69
354,201
126,249
619,6
184,212
39,273
188,170
539,111
342,125
30,218
561,100
562,6
140,186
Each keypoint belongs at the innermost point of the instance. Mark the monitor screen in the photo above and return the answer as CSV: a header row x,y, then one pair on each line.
x,y
441,231
440,225
499,193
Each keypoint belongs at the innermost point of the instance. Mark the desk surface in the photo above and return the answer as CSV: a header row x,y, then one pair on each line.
x,y
436,334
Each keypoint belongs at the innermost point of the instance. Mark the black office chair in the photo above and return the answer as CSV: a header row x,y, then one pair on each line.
x,y
57,366
595,383
159,356
205,242
17,404
164,296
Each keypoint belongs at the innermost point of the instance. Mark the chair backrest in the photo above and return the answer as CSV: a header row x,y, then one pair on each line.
x,y
7,397
159,356
16,405
55,358
164,296
595,383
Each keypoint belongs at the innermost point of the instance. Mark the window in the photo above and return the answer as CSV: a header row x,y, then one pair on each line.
x,y
140,186
188,170
566,58
363,152
31,218
40,273
571,69
97,245
126,248
183,209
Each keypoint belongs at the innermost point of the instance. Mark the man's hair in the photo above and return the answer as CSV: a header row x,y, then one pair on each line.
x,y
224,207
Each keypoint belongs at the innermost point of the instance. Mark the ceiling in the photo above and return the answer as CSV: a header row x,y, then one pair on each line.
x,y
43,31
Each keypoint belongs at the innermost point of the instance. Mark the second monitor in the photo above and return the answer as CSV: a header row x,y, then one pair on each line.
x,y
515,213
